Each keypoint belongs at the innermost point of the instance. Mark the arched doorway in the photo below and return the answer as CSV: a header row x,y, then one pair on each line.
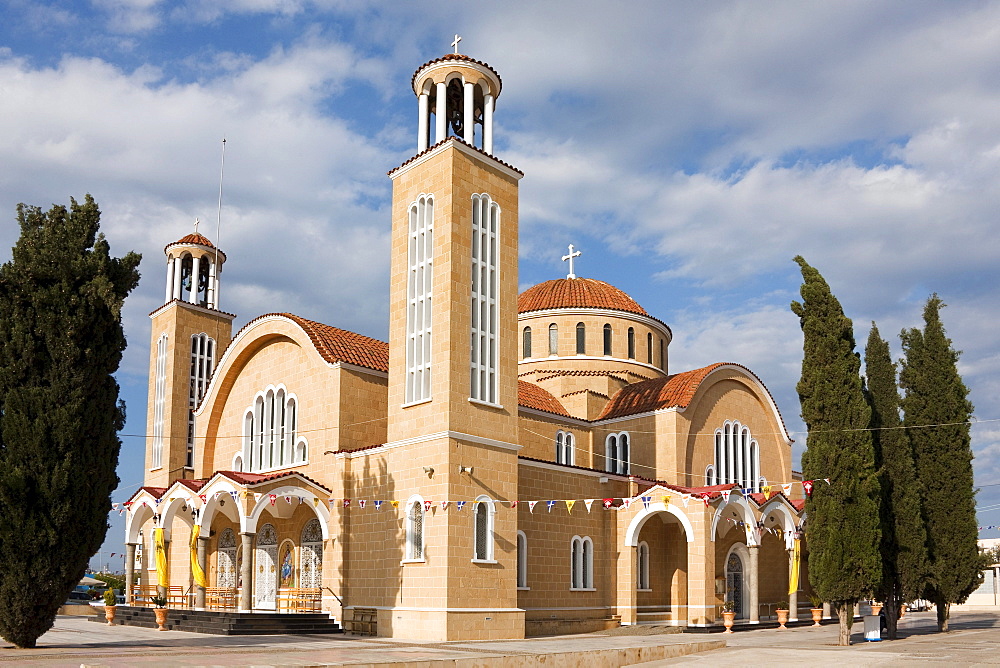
x,y
311,556
265,562
735,584
226,570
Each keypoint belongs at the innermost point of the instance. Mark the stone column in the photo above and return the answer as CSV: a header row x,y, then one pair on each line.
x,y
793,597
441,113
701,570
753,576
129,571
195,271
246,573
826,611
626,601
199,592
170,280
178,277
468,122
423,112
488,123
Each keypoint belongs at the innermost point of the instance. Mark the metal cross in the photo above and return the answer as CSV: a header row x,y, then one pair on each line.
x,y
196,223
455,43
569,258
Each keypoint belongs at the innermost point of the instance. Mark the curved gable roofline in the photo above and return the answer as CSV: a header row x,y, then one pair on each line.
x,y
678,391
332,344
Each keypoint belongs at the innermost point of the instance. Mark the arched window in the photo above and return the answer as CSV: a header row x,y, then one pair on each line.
x,y
522,560
710,475
607,340
642,567
663,356
649,348
419,281
483,512
526,343
581,339
616,453
202,361
159,401
415,529
631,343
565,442
737,457
269,432
582,563
553,339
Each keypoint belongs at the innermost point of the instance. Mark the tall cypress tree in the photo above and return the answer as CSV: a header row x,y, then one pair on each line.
x,y
936,415
843,524
61,338
904,556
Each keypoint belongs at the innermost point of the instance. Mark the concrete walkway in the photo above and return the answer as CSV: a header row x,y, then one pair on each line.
x,y
74,641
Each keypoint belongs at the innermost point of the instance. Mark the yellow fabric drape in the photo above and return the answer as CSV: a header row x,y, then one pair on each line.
x,y
196,570
161,558
793,575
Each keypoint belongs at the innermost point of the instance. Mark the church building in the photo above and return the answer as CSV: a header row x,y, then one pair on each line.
x,y
506,465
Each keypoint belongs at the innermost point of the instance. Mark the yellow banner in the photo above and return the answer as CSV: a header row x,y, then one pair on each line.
x,y
196,570
161,558
793,576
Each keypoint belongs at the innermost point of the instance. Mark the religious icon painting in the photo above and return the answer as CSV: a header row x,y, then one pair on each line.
x,y
287,569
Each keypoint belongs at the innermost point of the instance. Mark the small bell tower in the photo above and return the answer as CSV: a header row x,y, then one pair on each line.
x,y
188,334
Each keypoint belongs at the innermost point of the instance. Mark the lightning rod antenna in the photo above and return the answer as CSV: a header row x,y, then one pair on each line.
x,y
218,224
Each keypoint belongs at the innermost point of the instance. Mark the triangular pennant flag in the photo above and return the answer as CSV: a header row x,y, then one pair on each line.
x,y
121,510
513,504
288,499
272,498
427,506
725,495
378,505
395,504
646,500
531,506
347,502
244,494
786,488
608,503
257,495
569,505
460,504
706,497
444,505
204,499
589,503
234,495
550,504
666,499
767,491
114,506
625,504
301,500
157,501
127,504
685,498
827,480
315,502
331,502
807,485
362,503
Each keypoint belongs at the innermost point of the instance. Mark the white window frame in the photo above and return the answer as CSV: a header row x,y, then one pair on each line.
x,y
642,567
419,303
526,343
737,456
582,564
270,428
488,556
485,300
565,447
415,542
159,401
618,453
202,365
553,340
522,561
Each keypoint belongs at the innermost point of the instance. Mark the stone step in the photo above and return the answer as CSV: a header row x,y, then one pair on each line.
x,y
230,623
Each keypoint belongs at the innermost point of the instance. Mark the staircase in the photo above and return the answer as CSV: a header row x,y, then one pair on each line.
x,y
229,623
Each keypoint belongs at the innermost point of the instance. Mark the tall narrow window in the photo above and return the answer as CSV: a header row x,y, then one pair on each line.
x,y
607,340
663,356
581,563
202,361
483,513
737,457
631,343
526,343
419,284
649,348
564,447
485,293
159,401
522,560
270,440
581,339
642,553
415,530
616,452
553,339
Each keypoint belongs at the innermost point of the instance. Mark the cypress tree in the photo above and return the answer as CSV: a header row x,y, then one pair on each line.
x,y
936,415
904,557
843,524
61,338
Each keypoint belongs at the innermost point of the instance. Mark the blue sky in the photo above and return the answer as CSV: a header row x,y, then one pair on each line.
x,y
690,150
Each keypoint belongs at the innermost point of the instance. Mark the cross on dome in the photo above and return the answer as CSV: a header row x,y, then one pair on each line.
x,y
455,43
569,258
196,224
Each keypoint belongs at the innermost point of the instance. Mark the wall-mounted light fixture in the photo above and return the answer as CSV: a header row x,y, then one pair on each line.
x,y
465,469
429,470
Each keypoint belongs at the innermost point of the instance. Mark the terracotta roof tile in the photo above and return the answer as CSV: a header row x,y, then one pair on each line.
x,y
258,478
458,57
460,141
649,395
530,395
194,485
576,293
339,345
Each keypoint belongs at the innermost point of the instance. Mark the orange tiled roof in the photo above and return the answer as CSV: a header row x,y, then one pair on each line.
x,y
339,345
458,140
257,478
649,395
576,293
199,239
530,395
460,57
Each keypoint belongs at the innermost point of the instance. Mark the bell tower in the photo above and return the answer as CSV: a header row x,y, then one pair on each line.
x,y
453,357
188,334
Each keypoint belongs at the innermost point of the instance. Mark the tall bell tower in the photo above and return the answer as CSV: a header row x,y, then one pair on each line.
x,y
188,334
453,356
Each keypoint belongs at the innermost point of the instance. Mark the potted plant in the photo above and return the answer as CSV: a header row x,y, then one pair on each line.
x,y
110,606
729,614
817,607
876,608
160,611
782,614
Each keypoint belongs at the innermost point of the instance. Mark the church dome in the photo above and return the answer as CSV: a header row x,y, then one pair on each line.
x,y
576,293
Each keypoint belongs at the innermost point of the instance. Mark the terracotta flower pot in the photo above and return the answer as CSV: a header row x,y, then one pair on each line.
x,y
876,608
161,618
817,614
902,610
109,614
727,619
782,617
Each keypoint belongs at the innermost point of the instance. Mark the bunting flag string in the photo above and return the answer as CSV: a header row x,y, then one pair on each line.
x,y
550,504
589,503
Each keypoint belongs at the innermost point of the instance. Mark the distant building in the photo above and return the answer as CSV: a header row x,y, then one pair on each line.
x,y
505,465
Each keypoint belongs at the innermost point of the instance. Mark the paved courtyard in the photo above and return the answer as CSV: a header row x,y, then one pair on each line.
x,y
74,641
